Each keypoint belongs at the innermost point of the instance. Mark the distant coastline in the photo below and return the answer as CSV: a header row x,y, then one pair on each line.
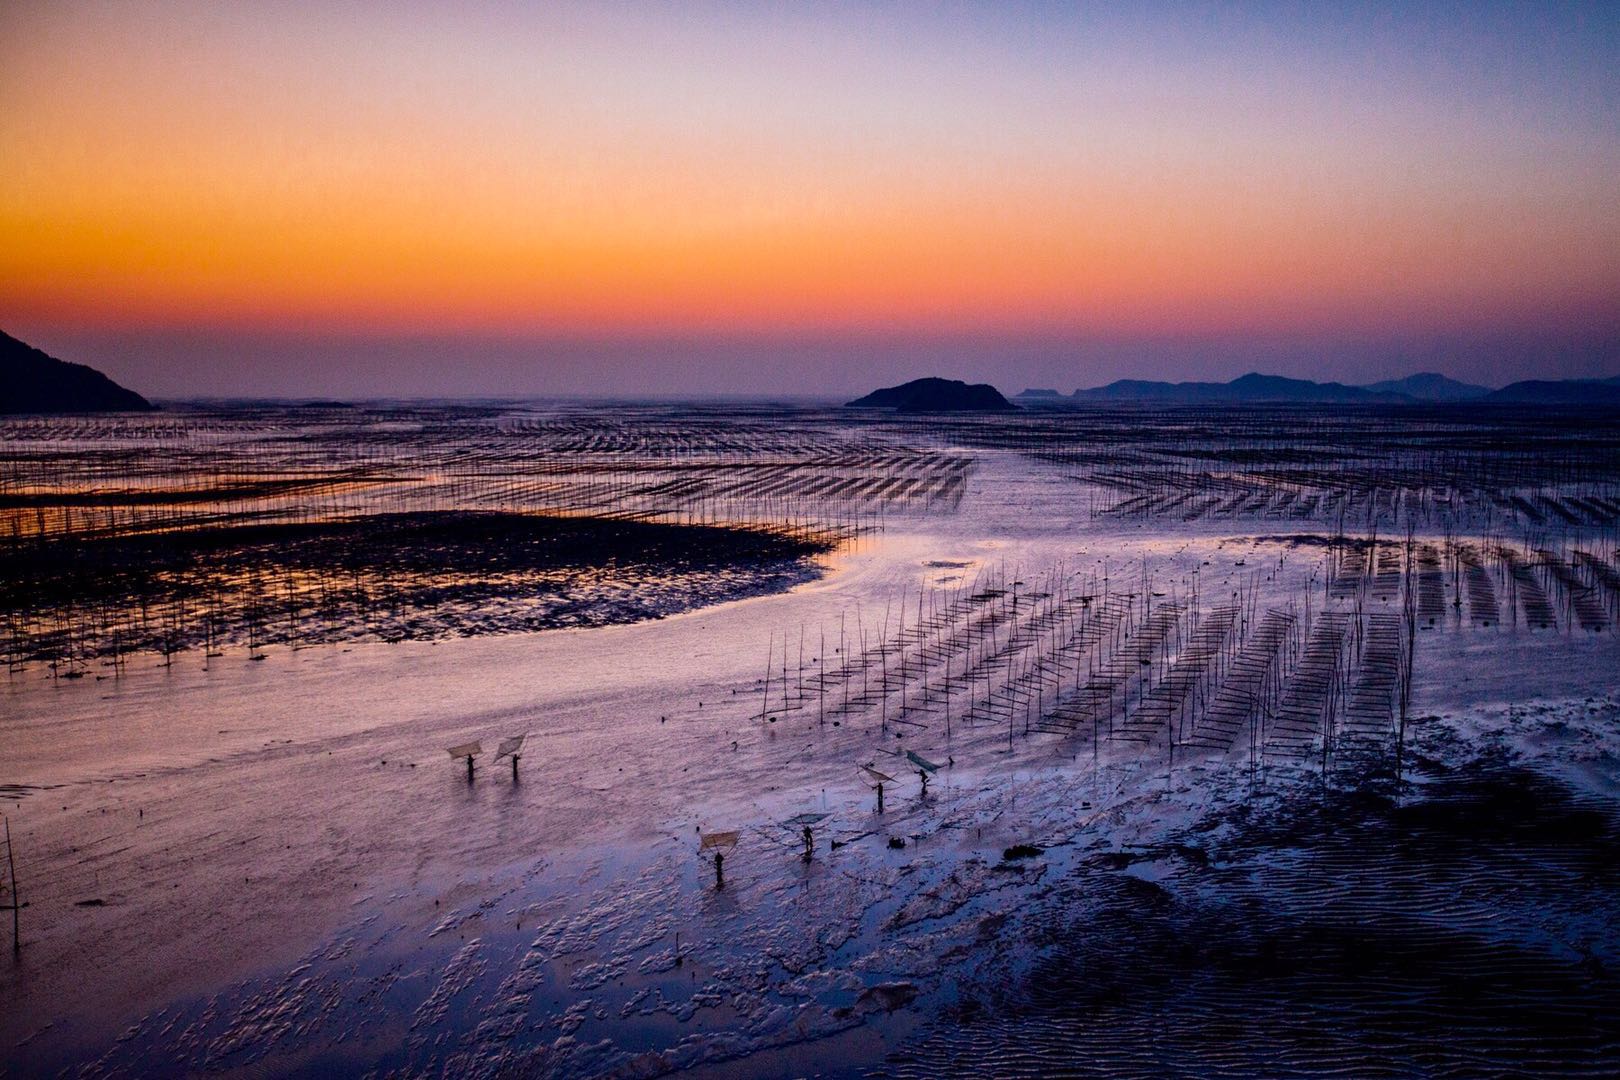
x,y
1422,388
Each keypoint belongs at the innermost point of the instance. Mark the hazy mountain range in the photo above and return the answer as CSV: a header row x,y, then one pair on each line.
x,y
1422,387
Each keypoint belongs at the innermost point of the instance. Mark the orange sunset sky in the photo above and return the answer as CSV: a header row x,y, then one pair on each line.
x,y
407,198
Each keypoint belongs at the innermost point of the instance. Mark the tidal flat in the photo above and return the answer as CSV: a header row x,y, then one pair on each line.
x,y
1246,740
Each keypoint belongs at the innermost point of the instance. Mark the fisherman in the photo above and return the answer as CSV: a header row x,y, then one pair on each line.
x,y
719,870
809,843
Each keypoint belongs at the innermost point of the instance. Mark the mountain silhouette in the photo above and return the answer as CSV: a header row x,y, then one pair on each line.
x,y
1250,387
1430,386
1426,387
935,395
34,382
1558,392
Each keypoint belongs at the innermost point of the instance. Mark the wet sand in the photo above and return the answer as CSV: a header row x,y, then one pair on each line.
x,y
295,878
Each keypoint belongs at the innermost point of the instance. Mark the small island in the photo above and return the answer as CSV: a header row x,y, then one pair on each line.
x,y
34,382
936,395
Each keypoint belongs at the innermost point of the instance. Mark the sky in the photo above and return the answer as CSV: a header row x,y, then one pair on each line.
x,y
409,198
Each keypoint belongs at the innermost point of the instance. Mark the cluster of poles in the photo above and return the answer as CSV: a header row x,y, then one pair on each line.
x,y
1459,466
1312,676
1109,655
115,532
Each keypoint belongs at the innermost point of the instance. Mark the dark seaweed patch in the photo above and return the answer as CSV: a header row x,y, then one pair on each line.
x,y
393,576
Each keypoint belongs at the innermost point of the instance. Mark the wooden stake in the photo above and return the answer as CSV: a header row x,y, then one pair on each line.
x,y
16,897
770,658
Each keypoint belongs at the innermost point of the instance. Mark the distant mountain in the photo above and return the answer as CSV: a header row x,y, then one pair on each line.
x,y
1430,386
1558,392
32,382
1251,387
935,395
1037,393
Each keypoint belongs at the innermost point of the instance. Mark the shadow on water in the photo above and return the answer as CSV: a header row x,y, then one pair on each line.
x,y
1465,929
